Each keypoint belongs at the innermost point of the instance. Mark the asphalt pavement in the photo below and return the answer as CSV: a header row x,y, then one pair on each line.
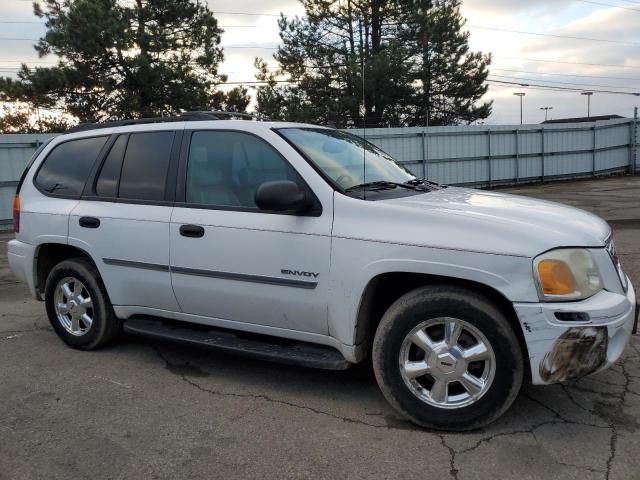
x,y
141,409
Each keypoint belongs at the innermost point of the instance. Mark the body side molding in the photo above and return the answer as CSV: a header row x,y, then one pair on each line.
x,y
242,277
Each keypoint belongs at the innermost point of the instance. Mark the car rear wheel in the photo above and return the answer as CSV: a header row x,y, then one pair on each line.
x,y
447,358
78,306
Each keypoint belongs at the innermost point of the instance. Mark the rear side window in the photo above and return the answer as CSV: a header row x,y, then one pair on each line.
x,y
107,184
144,170
66,168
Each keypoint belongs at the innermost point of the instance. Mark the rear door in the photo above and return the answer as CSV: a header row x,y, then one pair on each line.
x,y
57,186
123,218
231,261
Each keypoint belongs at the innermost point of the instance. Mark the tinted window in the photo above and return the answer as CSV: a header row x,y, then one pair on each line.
x,y
30,163
144,170
66,168
226,168
107,184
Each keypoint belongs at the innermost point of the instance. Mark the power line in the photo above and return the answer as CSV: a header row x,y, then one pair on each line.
x,y
553,35
568,63
495,82
43,23
562,83
565,74
27,61
494,56
247,14
551,87
608,5
521,32
223,46
256,14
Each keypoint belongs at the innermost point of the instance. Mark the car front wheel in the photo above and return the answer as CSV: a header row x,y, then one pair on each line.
x,y
447,358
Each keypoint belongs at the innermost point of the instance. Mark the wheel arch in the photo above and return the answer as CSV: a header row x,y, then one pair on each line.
x,y
49,254
385,288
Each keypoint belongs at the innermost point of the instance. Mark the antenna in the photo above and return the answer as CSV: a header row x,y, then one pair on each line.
x,y
364,132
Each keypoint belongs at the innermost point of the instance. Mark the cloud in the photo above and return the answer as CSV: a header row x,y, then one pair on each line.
x,y
511,51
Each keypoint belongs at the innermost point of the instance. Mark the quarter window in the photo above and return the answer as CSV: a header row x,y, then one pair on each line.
x,y
67,167
144,170
226,168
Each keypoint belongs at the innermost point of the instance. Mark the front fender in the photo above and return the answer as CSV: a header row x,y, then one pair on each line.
x,y
355,263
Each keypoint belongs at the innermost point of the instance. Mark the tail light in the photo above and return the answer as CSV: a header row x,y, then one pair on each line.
x,y
16,214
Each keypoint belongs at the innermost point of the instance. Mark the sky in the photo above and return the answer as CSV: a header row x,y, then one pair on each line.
x,y
613,55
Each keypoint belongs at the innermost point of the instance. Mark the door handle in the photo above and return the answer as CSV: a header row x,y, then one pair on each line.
x,y
89,222
193,231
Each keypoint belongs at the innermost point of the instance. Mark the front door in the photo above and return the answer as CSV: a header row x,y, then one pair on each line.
x,y
233,262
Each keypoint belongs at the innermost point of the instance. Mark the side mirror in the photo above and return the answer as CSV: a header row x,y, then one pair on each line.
x,y
282,195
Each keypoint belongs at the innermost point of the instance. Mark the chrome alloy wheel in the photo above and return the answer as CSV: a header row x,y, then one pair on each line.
x,y
73,306
447,362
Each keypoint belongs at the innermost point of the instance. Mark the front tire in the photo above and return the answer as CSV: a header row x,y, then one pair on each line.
x,y
446,358
78,306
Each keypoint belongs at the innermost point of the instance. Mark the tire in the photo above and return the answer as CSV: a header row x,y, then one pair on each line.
x,y
462,405
81,274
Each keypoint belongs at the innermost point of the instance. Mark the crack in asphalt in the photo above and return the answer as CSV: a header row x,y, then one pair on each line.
x,y
614,431
267,398
9,334
454,470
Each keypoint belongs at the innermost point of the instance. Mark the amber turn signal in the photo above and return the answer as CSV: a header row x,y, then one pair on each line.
x,y
556,277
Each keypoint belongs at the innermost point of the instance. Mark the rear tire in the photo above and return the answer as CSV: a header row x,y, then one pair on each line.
x,y
446,358
78,306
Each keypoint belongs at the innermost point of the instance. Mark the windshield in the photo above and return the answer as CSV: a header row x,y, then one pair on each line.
x,y
346,159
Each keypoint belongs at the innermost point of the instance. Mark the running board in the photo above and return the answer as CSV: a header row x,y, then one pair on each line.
x,y
262,347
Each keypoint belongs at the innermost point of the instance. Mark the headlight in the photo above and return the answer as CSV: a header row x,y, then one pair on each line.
x,y
567,274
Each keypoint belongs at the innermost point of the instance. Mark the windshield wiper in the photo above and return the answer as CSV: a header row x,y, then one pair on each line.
x,y
424,182
381,185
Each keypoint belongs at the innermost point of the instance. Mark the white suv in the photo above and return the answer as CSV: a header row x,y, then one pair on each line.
x,y
308,245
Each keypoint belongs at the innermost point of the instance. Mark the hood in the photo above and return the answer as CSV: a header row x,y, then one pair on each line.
x,y
468,219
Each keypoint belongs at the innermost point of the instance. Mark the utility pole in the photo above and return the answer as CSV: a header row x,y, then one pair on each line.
x,y
634,141
520,94
588,95
546,111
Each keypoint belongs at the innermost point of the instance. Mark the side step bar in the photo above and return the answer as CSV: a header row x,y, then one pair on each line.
x,y
262,347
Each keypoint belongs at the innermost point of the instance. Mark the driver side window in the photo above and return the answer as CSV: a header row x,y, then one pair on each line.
x,y
226,168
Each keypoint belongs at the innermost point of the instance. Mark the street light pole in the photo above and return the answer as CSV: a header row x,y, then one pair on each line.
x,y
588,95
546,111
520,94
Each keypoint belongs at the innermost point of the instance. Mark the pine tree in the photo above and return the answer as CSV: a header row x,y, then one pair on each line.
x,y
123,59
450,78
375,63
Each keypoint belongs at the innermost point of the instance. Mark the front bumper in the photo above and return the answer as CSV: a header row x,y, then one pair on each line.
x,y
563,350
21,257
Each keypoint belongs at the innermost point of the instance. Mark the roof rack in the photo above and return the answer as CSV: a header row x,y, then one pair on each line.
x,y
198,115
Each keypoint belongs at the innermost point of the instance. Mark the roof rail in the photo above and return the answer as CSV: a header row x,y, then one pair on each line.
x,y
198,115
